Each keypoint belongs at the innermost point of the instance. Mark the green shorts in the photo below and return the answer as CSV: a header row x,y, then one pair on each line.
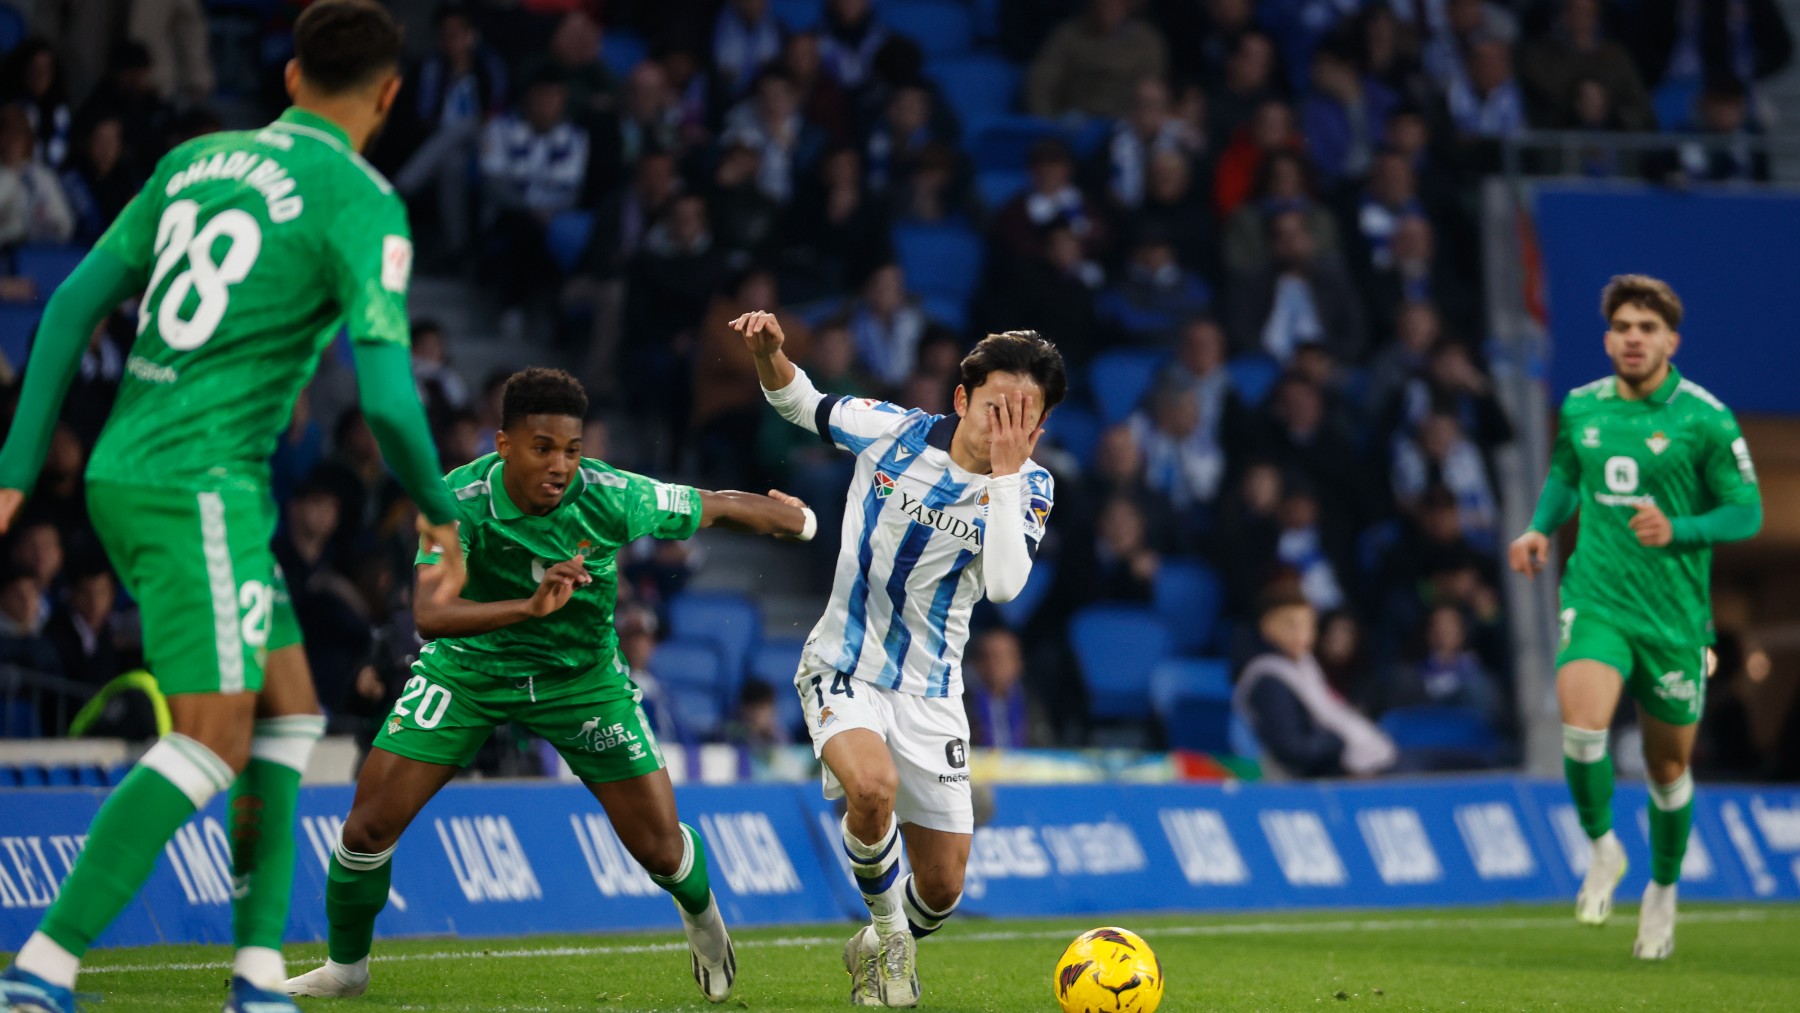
x,y
1669,680
186,555
448,711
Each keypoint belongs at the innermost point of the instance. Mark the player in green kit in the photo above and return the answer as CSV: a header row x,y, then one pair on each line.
x,y
1659,472
248,252
531,640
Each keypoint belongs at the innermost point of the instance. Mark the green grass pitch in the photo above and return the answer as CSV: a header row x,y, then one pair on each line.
x,y
1512,958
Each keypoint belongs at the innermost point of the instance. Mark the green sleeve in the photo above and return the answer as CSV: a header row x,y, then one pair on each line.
x,y
390,405
1564,465
372,251
658,509
1730,476
1555,506
93,290
428,557
1729,522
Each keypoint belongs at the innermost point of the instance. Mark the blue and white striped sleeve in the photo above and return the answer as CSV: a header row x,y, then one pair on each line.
x,y
850,423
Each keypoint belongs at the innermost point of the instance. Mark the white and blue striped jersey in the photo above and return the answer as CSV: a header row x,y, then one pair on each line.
x,y
909,571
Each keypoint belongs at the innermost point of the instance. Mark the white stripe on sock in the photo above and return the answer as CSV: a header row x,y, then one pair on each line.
x,y
356,861
1584,745
288,741
1674,795
189,766
687,858
865,853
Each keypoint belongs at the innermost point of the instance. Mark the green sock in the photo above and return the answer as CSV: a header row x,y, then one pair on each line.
x,y
1671,816
1589,770
262,828
356,889
169,784
689,885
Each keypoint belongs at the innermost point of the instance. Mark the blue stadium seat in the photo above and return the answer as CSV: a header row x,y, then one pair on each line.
x,y
1178,679
90,775
1005,142
47,264
1016,613
998,186
1673,103
12,28
800,15
1120,380
692,678
1198,723
939,260
951,312
1243,739
59,776
729,622
1443,728
567,237
31,776
938,26
18,322
1253,375
777,662
622,51
1118,646
9,777
979,86
116,773
1187,597
987,19
1075,429
19,720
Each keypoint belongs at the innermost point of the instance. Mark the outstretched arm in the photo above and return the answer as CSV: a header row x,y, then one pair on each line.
x,y
437,614
775,514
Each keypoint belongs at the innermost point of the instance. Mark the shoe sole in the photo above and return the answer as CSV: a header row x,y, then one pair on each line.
x,y
703,973
853,957
1639,951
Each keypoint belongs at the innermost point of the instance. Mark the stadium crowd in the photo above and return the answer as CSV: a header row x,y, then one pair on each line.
x,y
1251,228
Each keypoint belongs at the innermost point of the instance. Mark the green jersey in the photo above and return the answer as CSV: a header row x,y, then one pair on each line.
x,y
255,247
1680,449
508,551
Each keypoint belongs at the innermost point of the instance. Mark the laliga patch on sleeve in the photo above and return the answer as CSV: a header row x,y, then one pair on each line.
x,y
396,262
1040,509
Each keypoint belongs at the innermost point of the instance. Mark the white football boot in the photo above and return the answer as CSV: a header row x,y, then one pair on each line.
x,y
1656,923
899,969
332,981
714,958
1606,866
862,960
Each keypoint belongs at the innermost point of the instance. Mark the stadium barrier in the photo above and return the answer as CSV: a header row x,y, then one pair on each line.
x,y
502,859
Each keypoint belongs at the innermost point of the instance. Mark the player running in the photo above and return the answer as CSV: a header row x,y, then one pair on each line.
x,y
1660,473
943,509
531,640
249,250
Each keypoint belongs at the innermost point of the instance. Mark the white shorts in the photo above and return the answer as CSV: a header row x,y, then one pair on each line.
x,y
928,738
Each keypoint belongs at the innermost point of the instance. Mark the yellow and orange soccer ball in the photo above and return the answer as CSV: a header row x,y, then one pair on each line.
x,y
1108,970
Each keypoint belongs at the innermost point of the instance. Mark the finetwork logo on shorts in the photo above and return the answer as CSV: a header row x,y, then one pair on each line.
x,y
597,738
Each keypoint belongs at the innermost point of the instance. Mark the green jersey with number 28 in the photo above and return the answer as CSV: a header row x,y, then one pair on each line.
x,y
255,247
1679,449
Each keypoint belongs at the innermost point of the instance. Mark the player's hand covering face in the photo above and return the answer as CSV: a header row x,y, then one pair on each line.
x,y
1007,415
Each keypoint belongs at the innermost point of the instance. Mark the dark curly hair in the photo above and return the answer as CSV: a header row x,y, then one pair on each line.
x,y
343,45
1024,352
541,391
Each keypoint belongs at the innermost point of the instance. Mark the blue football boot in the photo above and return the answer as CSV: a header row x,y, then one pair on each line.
x,y
247,998
24,992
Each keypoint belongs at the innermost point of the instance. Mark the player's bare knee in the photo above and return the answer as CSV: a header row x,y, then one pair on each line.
x,y
939,886
367,834
872,793
1665,769
660,852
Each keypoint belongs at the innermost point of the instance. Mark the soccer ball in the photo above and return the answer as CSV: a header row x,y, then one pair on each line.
x,y
1108,970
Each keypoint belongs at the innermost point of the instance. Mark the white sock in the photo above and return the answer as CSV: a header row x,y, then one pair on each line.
x,y
348,972
46,958
1608,840
877,870
923,920
260,966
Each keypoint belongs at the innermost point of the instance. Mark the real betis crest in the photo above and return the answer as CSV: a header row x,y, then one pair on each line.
x,y
1658,442
884,486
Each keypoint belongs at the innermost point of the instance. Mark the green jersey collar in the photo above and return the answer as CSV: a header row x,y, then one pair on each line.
x,y
311,121
502,506
1660,396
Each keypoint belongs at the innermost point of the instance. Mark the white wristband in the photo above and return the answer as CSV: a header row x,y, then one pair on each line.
x,y
811,527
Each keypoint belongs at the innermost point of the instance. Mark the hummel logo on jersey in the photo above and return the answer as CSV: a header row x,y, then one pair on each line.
x,y
1658,442
884,486
1590,437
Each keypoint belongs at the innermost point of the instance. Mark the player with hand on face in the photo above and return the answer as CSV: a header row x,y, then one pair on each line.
x,y
943,510
531,640
1660,473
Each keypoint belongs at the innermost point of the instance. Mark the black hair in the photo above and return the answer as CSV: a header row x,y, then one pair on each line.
x,y
1023,352
343,45
541,391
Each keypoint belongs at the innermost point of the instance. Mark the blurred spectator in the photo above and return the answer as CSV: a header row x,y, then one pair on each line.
x,y
1183,458
1298,434
341,613
1415,273
574,59
934,191
1125,565
1247,528
459,438
1452,26
1199,365
1119,472
1450,382
676,272
533,165
1092,62
1174,203
621,223
851,37
1051,199
298,449
1384,55
37,549
1313,546
1248,84
1203,34
1151,129
648,119
98,182
33,208
1416,331
755,724
1002,715
1344,114
33,80
1316,365
1306,729
441,390
1281,186
303,543
1055,293
1683,44
692,92
129,92
1301,297
81,628
1485,102
1442,455
62,487
746,221
727,403
887,326
1391,195
22,615
746,35
1449,674
1270,129
902,135
1155,295
1342,655
368,494
839,231
1549,68
454,92
90,398
770,123
637,628
822,99
175,33
1724,109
